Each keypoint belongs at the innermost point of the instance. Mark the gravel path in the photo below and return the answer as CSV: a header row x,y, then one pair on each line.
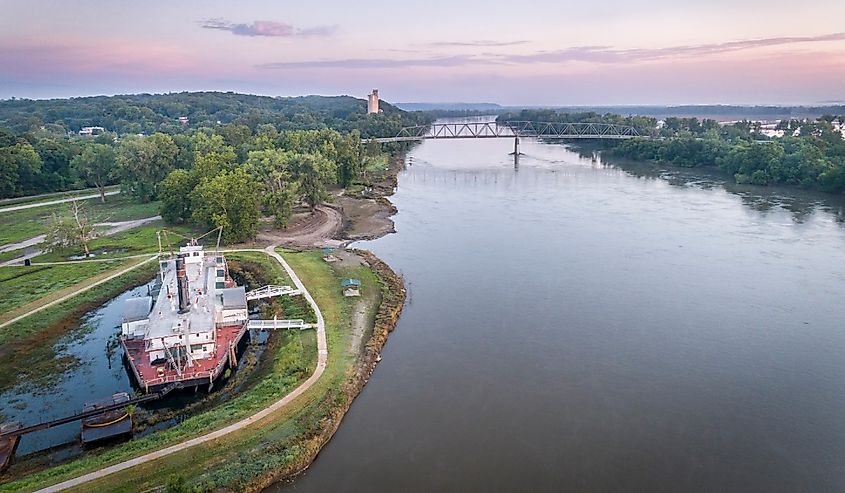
x,y
53,202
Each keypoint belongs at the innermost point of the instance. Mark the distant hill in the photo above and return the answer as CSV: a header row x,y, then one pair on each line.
x,y
717,112
147,113
450,106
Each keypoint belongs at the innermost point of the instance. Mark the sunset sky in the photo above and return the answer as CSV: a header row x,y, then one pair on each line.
x,y
541,52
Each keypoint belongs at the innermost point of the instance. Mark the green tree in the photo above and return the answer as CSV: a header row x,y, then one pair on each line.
x,y
271,167
205,144
349,158
56,154
175,195
230,200
314,172
96,165
144,162
20,168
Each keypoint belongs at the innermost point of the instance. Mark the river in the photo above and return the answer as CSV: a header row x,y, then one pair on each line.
x,y
578,326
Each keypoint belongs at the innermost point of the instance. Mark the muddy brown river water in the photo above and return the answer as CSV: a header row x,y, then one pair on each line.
x,y
578,326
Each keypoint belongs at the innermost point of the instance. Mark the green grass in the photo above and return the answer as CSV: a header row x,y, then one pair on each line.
x,y
22,285
377,166
27,345
255,270
248,454
4,256
270,270
28,223
137,241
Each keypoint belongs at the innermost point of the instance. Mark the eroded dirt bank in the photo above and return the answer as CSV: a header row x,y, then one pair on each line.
x,y
350,216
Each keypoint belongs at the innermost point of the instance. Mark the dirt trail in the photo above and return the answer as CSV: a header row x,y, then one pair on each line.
x,y
319,229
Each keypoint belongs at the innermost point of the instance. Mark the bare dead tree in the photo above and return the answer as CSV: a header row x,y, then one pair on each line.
x,y
76,230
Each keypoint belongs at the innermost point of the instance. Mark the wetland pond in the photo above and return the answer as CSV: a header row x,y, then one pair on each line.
x,y
92,367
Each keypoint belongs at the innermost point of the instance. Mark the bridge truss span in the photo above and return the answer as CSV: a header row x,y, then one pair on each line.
x,y
513,129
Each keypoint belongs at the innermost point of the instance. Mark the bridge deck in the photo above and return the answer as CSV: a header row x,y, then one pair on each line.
x,y
513,129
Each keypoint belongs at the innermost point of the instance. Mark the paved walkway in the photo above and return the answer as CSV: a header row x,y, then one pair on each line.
x,y
322,359
57,201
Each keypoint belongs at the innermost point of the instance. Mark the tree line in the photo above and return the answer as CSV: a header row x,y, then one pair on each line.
x,y
810,154
41,152
225,175
150,113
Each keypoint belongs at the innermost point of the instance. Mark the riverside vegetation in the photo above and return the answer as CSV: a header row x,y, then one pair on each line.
x,y
287,441
811,154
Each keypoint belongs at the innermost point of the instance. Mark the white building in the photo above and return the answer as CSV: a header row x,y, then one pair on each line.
x,y
91,131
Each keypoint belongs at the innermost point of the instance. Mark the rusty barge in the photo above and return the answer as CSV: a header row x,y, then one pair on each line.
x,y
188,331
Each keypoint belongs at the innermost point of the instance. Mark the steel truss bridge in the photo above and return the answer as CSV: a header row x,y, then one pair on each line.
x,y
512,129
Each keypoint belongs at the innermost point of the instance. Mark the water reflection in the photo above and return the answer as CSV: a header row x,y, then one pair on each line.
x,y
801,203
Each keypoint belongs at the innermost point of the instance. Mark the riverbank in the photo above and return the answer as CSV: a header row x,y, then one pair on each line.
x,y
289,438
360,212
369,321
384,321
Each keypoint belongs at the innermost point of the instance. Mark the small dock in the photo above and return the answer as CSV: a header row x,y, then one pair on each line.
x,y
8,443
110,424
107,414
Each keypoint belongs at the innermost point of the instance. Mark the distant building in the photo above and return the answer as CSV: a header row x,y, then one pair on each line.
x,y
839,126
183,120
372,102
91,131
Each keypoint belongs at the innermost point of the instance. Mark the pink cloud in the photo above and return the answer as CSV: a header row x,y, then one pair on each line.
x,y
267,28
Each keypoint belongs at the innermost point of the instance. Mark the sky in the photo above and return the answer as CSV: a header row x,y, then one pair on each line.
x,y
534,52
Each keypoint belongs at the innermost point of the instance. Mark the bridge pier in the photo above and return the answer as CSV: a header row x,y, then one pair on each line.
x,y
516,146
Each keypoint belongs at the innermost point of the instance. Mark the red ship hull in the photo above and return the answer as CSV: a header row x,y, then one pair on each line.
x,y
152,378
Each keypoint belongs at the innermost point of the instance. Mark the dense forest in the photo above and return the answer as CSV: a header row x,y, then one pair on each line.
x,y
811,153
149,113
40,150
235,158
